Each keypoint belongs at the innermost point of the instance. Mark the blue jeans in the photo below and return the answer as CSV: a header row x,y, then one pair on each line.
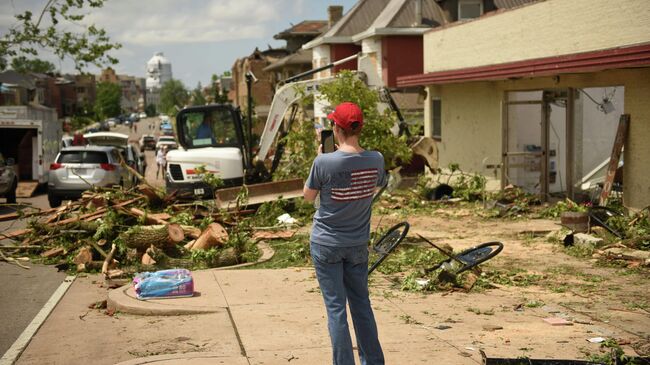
x,y
342,274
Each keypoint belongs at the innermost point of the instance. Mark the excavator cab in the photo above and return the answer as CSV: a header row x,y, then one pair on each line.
x,y
217,125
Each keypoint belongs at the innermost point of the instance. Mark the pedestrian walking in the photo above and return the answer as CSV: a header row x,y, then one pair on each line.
x,y
135,128
161,161
346,181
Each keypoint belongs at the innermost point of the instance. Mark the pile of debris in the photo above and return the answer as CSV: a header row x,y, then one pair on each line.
x,y
120,232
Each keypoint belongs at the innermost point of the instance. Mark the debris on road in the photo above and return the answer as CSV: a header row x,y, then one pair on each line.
x,y
144,228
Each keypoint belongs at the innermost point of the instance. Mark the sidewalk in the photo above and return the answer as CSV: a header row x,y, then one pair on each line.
x,y
277,317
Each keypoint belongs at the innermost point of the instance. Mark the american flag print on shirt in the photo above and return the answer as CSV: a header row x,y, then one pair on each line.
x,y
355,185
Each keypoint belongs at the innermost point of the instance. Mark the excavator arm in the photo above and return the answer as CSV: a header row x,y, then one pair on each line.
x,y
285,96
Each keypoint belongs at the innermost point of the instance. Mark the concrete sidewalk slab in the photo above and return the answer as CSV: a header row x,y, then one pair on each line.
x,y
74,334
208,298
243,287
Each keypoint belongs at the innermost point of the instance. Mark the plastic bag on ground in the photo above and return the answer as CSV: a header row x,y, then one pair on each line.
x,y
171,283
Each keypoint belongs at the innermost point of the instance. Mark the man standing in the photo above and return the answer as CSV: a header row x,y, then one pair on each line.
x,y
161,161
346,180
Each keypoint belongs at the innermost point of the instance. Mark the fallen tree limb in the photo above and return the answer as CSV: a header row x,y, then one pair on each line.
x,y
109,259
12,260
141,237
16,215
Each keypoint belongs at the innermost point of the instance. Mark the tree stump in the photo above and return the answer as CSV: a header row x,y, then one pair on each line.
x,y
213,236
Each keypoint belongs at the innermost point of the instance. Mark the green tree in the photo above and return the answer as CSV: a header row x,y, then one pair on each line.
x,y
150,110
377,126
107,102
173,95
56,29
197,95
24,65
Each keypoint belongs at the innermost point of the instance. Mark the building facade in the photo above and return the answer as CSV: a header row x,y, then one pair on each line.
x,y
540,107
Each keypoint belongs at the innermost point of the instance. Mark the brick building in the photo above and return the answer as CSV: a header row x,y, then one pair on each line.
x,y
133,89
263,89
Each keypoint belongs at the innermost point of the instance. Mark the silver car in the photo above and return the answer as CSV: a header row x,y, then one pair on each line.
x,y
77,169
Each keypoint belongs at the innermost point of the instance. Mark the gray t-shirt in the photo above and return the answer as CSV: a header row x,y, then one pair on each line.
x,y
347,183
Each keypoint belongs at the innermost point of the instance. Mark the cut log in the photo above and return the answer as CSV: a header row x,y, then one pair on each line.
x,y
191,231
164,260
147,259
56,251
90,266
227,257
84,256
213,236
188,246
141,237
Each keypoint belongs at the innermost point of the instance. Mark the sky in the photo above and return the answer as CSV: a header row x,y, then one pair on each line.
x,y
198,37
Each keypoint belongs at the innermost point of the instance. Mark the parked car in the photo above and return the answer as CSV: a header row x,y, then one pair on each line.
x,y
143,115
129,152
111,122
168,141
104,127
167,130
80,168
8,179
147,141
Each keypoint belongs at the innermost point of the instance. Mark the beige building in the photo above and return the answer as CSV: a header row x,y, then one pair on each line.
x,y
533,95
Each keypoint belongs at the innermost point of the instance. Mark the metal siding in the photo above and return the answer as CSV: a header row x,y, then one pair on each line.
x,y
433,15
366,14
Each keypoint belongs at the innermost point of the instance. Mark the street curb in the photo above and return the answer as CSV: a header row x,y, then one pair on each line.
x,y
178,358
121,301
26,336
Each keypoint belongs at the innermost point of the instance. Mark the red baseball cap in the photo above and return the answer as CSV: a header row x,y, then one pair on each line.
x,y
347,115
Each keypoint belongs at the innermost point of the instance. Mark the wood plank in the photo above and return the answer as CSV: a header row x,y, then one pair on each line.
x,y
26,189
619,142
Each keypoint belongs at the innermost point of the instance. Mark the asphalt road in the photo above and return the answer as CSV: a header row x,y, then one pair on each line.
x,y
145,126
24,292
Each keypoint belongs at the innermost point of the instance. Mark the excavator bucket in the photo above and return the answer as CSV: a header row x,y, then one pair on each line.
x,y
426,148
259,193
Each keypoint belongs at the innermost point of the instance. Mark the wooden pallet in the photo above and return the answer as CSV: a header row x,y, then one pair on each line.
x,y
26,189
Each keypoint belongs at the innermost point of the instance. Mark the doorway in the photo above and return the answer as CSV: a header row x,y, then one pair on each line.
x,y
557,142
535,148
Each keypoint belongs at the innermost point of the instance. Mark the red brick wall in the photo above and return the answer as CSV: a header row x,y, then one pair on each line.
x,y
340,51
401,56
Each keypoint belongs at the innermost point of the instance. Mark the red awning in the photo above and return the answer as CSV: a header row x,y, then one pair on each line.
x,y
624,57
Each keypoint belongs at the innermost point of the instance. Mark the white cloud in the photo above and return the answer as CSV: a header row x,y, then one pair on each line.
x,y
191,21
199,37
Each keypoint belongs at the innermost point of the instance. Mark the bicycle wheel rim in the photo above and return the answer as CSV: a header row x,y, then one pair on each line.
x,y
478,254
390,234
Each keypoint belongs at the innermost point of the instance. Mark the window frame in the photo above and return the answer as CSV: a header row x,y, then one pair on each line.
x,y
437,137
461,2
